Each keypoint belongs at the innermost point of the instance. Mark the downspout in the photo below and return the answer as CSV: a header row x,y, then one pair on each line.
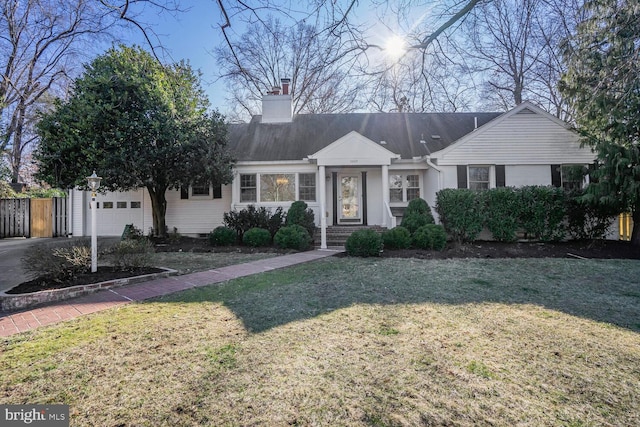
x,y
432,165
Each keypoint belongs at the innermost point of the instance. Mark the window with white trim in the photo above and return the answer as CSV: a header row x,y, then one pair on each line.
x,y
404,188
248,188
280,187
307,187
479,177
201,190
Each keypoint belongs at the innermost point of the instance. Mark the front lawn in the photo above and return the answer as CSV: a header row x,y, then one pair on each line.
x,y
354,342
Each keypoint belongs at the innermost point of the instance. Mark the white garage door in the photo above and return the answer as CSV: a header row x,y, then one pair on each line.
x,y
115,210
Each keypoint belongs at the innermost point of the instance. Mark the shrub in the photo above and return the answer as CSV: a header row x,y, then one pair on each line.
x,y
293,237
251,217
6,192
542,212
502,213
257,237
299,214
460,213
58,262
223,236
396,238
416,215
430,236
132,232
364,243
588,219
132,254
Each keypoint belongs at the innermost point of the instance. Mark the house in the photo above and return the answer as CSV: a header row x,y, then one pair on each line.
x,y
357,168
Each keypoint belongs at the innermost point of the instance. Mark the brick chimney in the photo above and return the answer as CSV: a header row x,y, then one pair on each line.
x,y
285,86
277,107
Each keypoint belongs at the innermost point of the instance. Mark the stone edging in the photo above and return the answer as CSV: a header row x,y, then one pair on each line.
x,y
13,302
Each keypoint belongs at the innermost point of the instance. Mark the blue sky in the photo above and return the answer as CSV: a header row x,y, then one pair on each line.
x,y
192,36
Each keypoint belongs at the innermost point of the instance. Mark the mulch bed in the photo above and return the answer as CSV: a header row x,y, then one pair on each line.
x,y
602,249
102,275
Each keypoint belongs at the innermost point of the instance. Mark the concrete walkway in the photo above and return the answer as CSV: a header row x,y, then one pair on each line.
x,y
21,321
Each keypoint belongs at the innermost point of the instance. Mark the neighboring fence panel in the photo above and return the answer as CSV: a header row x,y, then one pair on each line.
x,y
625,225
15,217
60,213
41,218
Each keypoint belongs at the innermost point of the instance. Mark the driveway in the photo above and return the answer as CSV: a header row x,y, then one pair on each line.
x,y
13,249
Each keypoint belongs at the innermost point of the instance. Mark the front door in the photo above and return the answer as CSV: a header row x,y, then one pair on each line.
x,y
350,194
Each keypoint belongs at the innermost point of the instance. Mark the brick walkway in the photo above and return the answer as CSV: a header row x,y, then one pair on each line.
x,y
15,322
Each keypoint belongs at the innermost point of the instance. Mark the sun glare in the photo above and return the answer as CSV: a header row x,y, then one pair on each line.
x,y
395,47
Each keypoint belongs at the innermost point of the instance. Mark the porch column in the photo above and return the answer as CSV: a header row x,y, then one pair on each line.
x,y
385,194
323,207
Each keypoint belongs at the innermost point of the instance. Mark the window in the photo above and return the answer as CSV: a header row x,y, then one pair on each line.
x,y
121,205
107,205
201,190
413,187
403,188
135,205
479,177
572,176
307,187
277,187
248,188
395,188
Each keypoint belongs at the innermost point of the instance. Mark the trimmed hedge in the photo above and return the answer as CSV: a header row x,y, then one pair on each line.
x,y
300,214
293,237
502,213
396,238
223,236
430,236
257,237
541,213
461,213
364,243
416,215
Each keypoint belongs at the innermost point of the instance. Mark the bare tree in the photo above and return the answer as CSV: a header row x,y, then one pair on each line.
x,y
515,51
345,50
41,41
319,65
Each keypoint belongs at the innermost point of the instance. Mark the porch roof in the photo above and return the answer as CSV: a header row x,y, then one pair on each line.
x,y
310,133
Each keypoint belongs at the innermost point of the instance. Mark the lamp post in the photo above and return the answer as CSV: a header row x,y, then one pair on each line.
x,y
94,184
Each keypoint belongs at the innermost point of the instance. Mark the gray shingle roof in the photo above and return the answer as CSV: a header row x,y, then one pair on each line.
x,y
309,133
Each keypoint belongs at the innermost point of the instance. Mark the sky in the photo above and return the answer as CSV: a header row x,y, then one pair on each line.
x,y
192,36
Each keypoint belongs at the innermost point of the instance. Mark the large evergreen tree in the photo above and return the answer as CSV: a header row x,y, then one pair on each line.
x,y
137,123
603,85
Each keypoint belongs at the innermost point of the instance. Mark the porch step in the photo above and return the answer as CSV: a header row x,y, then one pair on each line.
x,y
337,235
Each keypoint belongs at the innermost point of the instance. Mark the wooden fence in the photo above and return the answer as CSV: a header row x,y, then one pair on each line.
x,y
33,217
625,225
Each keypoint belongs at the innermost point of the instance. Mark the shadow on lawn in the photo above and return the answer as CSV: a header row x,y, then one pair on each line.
x,y
604,291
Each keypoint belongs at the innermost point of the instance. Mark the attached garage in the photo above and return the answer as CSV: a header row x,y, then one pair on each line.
x,y
115,210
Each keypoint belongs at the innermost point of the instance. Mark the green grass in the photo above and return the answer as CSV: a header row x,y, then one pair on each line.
x,y
354,342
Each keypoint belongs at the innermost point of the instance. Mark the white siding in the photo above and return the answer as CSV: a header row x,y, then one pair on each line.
x,y
523,138
196,215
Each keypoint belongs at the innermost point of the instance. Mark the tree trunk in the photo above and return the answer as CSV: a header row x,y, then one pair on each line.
x,y
635,234
159,210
